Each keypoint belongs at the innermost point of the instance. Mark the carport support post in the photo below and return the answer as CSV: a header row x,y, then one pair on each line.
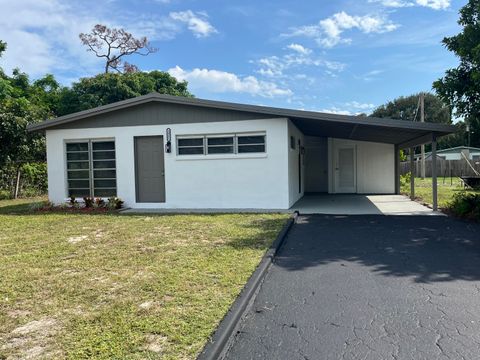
x,y
397,169
434,173
412,173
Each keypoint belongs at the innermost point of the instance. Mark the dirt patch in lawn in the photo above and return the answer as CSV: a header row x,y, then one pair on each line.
x,y
32,340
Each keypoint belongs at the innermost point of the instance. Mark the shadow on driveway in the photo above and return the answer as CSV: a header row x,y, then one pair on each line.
x,y
368,287
427,248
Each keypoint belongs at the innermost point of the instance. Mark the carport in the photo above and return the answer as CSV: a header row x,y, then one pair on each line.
x,y
403,135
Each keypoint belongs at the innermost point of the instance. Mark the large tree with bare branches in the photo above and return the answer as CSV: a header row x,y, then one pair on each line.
x,y
113,45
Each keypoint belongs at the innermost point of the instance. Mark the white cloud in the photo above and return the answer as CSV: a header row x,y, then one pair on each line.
x,y
221,81
336,110
42,35
328,32
276,66
433,4
350,108
299,48
197,23
370,75
360,106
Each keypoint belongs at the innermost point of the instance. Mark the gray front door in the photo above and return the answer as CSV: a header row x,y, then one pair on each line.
x,y
149,169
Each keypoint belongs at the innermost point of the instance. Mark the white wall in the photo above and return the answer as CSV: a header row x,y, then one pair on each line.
x,y
223,181
375,166
293,193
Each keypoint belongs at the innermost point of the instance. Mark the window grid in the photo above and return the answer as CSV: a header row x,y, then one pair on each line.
x,y
235,144
96,183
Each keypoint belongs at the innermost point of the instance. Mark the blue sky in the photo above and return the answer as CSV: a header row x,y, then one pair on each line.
x,y
341,56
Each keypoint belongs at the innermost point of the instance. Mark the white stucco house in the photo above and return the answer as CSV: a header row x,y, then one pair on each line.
x,y
160,151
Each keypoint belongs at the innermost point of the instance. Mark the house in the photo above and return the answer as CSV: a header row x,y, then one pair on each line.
x,y
160,151
455,153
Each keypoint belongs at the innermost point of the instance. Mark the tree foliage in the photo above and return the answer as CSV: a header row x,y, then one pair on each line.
x,y
104,89
460,87
21,103
113,45
405,108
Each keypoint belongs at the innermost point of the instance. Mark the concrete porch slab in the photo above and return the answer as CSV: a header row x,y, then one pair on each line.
x,y
353,204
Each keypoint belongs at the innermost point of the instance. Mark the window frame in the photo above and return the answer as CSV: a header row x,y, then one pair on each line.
x,y
91,169
190,146
235,145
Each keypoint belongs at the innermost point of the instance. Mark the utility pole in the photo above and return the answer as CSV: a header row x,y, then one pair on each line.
x,y
422,119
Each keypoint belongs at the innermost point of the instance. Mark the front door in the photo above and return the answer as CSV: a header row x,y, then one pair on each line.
x,y
345,169
149,169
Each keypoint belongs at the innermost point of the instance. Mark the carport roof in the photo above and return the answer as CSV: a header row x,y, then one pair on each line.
x,y
398,132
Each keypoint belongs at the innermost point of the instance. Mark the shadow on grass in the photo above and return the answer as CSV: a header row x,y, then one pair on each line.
x,y
426,248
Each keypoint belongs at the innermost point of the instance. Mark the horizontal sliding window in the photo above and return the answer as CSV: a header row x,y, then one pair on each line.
x,y
221,144
190,146
91,168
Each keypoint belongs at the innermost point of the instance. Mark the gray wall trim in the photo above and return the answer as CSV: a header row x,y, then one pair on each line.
x,y
397,169
270,111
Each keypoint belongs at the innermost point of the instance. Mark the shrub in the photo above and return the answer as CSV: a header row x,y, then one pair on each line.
x,y
88,201
466,205
115,203
72,201
99,202
405,179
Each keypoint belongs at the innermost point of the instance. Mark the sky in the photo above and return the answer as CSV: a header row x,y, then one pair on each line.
x,y
343,56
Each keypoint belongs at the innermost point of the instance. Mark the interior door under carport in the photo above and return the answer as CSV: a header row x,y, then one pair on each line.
x,y
316,164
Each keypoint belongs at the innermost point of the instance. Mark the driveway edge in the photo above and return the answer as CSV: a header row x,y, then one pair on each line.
x,y
219,343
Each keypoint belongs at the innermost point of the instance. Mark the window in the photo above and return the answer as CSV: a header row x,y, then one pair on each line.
x,y
251,144
292,142
190,146
221,144
91,168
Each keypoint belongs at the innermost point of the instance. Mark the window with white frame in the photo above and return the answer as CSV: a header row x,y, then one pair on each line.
x,y
91,168
221,144
190,146
251,144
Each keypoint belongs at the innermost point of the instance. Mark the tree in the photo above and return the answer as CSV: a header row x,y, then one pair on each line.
x,y
460,87
104,89
3,47
114,44
405,108
22,102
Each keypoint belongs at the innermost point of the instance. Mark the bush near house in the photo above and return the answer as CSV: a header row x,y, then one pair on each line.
x,y
33,180
465,205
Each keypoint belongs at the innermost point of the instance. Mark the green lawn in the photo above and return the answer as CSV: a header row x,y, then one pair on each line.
x,y
446,189
109,286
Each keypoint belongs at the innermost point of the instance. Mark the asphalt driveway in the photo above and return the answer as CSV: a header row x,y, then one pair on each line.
x,y
369,287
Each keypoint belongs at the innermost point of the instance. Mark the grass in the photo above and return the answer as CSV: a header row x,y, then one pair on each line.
x,y
446,190
105,286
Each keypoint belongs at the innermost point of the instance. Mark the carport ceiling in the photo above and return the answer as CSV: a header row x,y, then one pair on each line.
x,y
403,136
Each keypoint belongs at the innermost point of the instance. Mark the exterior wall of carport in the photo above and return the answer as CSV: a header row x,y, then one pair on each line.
x,y
375,166
296,182
260,181
375,163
